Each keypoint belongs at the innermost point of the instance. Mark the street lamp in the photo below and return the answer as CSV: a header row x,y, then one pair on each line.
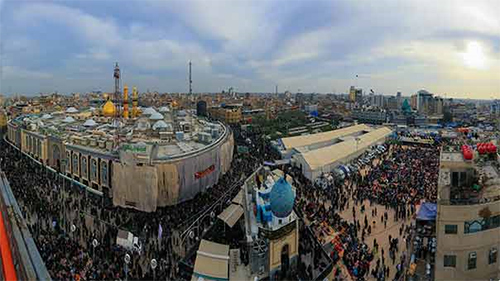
x,y
154,264
127,261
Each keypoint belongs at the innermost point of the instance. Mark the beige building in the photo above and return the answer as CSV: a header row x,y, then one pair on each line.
x,y
468,219
229,115
165,158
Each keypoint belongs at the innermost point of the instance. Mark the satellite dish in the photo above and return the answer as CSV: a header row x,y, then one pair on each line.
x,y
95,243
73,228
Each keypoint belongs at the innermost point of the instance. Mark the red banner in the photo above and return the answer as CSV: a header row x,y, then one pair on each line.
x,y
205,172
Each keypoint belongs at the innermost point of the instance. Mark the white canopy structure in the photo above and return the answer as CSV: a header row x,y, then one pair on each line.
x,y
149,111
90,123
156,116
164,109
69,119
71,110
160,125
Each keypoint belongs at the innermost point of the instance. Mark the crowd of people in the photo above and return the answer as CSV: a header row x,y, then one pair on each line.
x,y
398,181
65,219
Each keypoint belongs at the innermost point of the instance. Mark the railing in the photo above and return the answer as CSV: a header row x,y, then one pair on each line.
x,y
27,260
470,201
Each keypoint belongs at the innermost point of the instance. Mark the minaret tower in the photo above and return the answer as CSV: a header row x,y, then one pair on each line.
x,y
125,101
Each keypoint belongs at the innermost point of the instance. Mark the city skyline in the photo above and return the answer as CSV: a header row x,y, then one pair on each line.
x,y
252,46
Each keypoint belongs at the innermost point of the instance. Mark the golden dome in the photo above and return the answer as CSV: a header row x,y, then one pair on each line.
x,y
108,109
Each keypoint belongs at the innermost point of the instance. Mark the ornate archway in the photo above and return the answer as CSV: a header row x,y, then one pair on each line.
x,y
56,157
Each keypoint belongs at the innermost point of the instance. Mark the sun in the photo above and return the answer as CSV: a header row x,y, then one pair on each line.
x,y
474,56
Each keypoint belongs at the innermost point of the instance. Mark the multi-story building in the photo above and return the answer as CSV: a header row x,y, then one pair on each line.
x,y
230,114
422,102
162,158
355,95
468,217
392,103
495,108
370,116
377,101
3,121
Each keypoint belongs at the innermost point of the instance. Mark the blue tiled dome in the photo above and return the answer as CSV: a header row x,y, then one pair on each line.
x,y
282,198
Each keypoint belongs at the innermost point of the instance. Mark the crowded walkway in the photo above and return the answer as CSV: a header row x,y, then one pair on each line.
x,y
367,220
65,220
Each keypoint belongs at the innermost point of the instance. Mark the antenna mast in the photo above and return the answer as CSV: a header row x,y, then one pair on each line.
x,y
117,99
190,80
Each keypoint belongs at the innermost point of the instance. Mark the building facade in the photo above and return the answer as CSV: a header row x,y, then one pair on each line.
x,y
152,167
468,219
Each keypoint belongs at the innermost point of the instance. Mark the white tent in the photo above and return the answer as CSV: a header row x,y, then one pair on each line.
x,y
71,110
156,116
160,125
164,109
149,111
69,119
90,123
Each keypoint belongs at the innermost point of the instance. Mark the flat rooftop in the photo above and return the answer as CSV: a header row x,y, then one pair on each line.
x,y
465,182
174,133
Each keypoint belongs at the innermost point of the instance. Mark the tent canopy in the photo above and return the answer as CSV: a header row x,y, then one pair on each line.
x,y
231,214
238,199
212,261
427,212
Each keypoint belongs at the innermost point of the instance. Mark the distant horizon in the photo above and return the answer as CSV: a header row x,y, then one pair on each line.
x,y
260,93
450,46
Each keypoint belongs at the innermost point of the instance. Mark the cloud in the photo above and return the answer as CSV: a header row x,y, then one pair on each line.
x,y
251,46
14,72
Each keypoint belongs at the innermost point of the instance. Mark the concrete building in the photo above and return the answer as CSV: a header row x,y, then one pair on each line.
x,y
230,114
377,101
370,116
161,158
355,95
468,217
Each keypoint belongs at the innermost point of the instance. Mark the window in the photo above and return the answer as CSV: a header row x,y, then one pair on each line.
x,y
454,179
84,167
492,257
93,169
473,226
450,229
481,224
450,261
471,263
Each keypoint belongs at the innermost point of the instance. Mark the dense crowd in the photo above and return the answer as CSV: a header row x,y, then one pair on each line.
x,y
65,219
403,177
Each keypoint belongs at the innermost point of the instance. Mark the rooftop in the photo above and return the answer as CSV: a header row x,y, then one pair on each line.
x,y
153,135
465,182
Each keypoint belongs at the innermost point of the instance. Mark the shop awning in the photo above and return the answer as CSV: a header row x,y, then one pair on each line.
x,y
212,262
231,214
427,212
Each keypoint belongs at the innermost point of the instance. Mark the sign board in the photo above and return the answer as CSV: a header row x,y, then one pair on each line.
x,y
136,148
242,149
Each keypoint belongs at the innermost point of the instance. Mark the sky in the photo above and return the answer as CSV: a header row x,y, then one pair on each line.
x,y
448,47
